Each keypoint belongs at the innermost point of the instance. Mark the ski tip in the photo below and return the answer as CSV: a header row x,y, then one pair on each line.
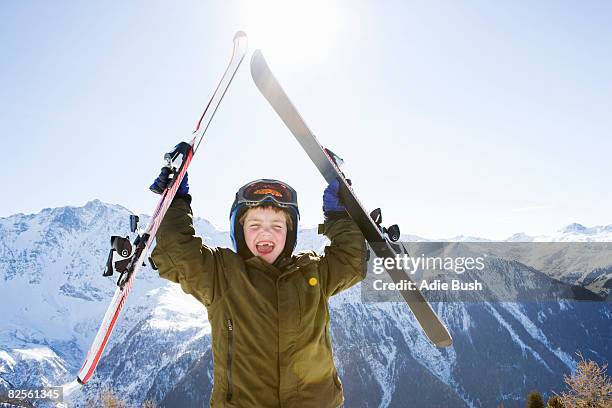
x,y
241,43
257,55
71,387
258,64
445,343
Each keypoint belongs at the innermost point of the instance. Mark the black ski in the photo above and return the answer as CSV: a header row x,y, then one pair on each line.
x,y
380,239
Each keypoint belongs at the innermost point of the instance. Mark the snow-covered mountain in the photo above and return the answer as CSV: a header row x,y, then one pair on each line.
x,y
53,298
572,254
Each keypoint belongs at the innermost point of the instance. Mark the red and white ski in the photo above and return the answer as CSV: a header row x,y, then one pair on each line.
x,y
134,261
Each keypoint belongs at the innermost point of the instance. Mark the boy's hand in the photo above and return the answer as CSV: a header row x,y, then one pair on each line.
x,y
331,199
162,181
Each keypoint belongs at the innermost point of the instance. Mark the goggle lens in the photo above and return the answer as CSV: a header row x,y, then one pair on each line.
x,y
257,191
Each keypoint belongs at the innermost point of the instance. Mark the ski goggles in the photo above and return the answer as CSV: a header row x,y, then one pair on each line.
x,y
262,190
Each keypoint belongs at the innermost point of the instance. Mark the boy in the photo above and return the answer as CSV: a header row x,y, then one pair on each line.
x,y
267,309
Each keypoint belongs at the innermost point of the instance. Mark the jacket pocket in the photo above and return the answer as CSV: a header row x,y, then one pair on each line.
x,y
230,352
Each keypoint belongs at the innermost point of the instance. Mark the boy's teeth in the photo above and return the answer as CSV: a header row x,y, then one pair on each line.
x,y
265,247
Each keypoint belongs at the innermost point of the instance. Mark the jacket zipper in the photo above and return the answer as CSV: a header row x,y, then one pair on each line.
x,y
230,341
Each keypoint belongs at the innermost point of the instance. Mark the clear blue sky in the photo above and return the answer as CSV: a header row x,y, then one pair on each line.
x,y
475,117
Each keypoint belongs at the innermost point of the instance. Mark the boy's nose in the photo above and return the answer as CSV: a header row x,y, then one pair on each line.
x,y
267,230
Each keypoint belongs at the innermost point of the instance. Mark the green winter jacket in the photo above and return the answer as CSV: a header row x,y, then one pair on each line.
x,y
270,326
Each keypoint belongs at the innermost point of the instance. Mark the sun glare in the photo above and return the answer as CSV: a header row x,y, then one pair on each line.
x,y
293,32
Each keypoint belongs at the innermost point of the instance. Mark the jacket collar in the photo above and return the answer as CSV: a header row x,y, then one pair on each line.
x,y
259,264
283,267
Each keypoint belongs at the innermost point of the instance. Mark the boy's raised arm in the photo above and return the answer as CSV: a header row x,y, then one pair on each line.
x,y
343,264
181,258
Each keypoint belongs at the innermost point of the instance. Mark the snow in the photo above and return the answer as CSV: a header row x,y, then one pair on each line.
x,y
515,337
172,302
537,334
7,359
35,353
571,233
579,233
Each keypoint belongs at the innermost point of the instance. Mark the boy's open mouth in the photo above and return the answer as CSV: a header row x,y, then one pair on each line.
x,y
265,247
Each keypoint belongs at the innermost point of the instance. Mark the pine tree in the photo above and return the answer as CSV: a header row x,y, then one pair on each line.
x,y
555,402
534,400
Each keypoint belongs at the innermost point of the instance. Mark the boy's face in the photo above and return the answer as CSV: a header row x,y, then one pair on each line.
x,y
265,232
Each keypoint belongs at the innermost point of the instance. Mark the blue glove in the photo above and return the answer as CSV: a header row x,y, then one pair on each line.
x,y
331,199
162,181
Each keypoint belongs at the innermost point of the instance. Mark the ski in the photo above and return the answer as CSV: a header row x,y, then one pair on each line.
x,y
382,240
133,255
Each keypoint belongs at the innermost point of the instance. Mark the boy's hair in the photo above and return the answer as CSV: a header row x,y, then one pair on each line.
x,y
274,208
